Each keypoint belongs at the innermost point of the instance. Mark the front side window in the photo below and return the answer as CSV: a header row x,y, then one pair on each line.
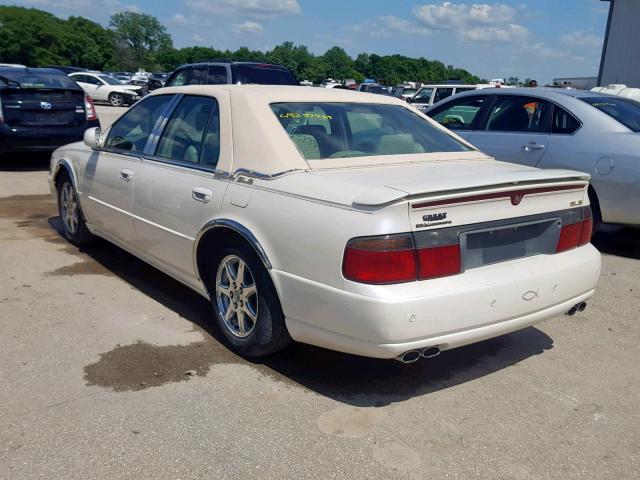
x,y
442,93
519,114
624,110
460,114
179,78
192,135
217,75
198,76
423,96
340,130
131,131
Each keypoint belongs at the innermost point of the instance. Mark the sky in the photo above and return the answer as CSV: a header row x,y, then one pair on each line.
x,y
539,39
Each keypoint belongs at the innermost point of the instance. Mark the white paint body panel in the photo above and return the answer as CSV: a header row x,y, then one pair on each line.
x,y
303,219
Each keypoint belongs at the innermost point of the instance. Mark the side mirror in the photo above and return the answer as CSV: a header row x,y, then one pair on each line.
x,y
92,137
409,100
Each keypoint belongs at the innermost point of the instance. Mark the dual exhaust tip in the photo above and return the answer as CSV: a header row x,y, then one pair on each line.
x,y
415,355
578,307
430,352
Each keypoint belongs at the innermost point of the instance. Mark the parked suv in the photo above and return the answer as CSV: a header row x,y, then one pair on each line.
x,y
41,109
225,71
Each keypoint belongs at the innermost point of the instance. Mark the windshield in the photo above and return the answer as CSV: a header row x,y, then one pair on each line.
x,y
38,79
409,91
624,110
109,80
340,130
262,74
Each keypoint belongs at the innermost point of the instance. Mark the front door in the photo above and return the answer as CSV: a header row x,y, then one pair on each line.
x,y
177,191
111,172
517,130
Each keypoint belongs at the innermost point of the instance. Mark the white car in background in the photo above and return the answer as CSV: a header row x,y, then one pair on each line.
x,y
340,219
428,95
103,88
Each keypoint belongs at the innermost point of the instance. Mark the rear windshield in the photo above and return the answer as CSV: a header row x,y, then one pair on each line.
x,y
340,130
624,110
262,75
38,79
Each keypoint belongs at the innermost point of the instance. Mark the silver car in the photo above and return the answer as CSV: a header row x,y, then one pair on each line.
x,y
551,128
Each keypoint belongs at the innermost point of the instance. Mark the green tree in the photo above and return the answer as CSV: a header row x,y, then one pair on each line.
x,y
142,33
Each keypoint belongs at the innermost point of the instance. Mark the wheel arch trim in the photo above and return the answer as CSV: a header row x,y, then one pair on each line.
x,y
64,164
237,228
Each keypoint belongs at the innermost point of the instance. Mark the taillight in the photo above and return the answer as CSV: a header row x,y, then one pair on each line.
x,y
396,259
577,233
380,260
90,108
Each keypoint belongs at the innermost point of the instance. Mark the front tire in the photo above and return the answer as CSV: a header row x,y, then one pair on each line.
x,y
116,99
74,227
245,303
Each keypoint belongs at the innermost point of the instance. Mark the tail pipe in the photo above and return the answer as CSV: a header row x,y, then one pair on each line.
x,y
578,307
415,355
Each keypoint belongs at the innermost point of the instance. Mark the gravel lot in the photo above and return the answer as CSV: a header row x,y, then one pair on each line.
x,y
110,370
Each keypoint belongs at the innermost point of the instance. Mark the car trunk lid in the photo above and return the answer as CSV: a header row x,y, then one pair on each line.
x,y
26,107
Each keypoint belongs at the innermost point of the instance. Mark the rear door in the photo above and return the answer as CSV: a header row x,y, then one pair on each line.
x,y
177,190
111,172
516,129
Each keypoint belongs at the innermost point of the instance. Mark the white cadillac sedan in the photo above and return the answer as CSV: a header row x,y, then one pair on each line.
x,y
340,219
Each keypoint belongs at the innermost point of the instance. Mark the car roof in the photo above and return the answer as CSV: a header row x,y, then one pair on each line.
x,y
234,62
549,93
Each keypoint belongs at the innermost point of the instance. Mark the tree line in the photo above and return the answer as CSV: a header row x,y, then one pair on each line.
x,y
135,40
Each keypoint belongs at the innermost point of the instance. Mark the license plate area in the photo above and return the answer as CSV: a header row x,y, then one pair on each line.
x,y
509,242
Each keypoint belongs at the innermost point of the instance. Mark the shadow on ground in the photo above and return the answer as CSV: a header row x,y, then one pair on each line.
x,y
24,162
619,241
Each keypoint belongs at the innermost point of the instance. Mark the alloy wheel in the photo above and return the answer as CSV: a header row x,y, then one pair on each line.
x,y
236,296
69,210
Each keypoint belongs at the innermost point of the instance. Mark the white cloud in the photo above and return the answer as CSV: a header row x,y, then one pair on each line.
x,y
506,33
179,19
448,15
543,51
196,37
248,27
580,38
250,8
388,26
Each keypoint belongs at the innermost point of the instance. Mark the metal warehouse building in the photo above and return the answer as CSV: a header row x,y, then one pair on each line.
x,y
620,61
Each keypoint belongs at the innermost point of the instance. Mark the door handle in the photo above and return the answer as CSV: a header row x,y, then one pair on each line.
x,y
532,146
201,194
126,174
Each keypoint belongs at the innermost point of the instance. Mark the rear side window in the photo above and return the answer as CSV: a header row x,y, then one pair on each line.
x,y
178,78
131,132
624,110
460,114
192,135
262,74
563,122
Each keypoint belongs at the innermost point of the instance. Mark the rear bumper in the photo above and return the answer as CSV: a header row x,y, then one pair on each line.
x,y
450,312
33,139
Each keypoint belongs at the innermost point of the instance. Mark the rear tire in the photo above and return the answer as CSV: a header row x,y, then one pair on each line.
x,y
116,99
245,303
74,227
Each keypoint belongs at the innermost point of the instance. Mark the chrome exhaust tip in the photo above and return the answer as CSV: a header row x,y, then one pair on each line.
x,y
409,357
582,306
431,352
